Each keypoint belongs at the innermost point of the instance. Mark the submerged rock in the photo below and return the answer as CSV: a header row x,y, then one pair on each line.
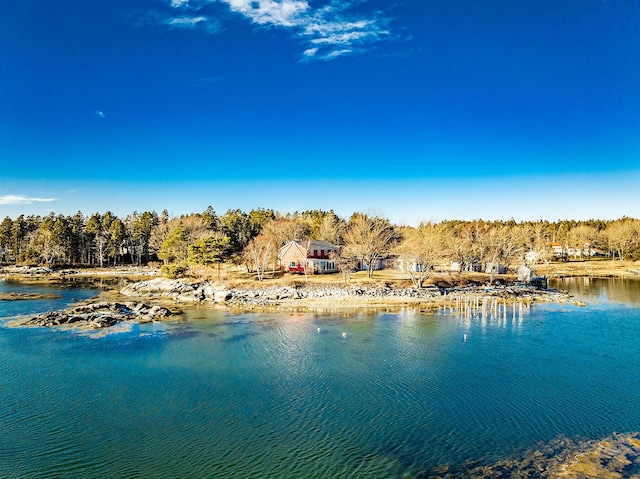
x,y
614,457
27,296
96,315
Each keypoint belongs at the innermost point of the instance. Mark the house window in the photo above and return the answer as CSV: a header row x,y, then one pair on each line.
x,y
315,252
292,264
322,252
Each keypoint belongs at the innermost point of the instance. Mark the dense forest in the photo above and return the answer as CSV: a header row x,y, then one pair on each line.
x,y
254,239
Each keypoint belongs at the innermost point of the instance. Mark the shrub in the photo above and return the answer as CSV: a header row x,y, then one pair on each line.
x,y
173,271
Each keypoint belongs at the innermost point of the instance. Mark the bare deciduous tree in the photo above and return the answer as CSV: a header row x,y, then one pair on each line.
x,y
368,239
345,264
624,236
284,230
458,241
331,229
582,239
261,252
536,239
502,244
421,249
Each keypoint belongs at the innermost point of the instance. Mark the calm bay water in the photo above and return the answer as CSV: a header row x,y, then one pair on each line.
x,y
270,395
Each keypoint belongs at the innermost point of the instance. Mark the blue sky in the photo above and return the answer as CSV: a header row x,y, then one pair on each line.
x,y
411,109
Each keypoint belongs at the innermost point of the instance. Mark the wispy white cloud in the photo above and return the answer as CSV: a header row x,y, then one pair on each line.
x,y
310,52
328,31
185,22
337,53
188,22
22,200
342,38
191,22
285,13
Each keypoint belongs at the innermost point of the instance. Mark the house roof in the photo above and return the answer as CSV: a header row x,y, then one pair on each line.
x,y
309,245
315,244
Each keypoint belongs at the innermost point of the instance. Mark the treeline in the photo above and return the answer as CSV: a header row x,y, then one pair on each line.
x,y
254,239
106,239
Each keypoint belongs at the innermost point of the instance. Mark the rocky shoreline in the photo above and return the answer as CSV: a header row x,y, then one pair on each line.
x,y
337,296
126,304
46,272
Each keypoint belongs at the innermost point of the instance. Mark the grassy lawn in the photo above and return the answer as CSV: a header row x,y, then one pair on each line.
x,y
237,276
603,268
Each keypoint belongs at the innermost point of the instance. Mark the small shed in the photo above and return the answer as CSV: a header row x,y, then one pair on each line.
x,y
495,268
472,266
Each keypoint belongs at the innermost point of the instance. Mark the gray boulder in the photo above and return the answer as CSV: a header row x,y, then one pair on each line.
x,y
222,296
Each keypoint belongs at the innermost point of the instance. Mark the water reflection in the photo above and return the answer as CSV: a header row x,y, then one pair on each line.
x,y
601,289
52,297
487,312
287,395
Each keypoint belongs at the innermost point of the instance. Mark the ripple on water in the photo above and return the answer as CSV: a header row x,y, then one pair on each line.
x,y
270,396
